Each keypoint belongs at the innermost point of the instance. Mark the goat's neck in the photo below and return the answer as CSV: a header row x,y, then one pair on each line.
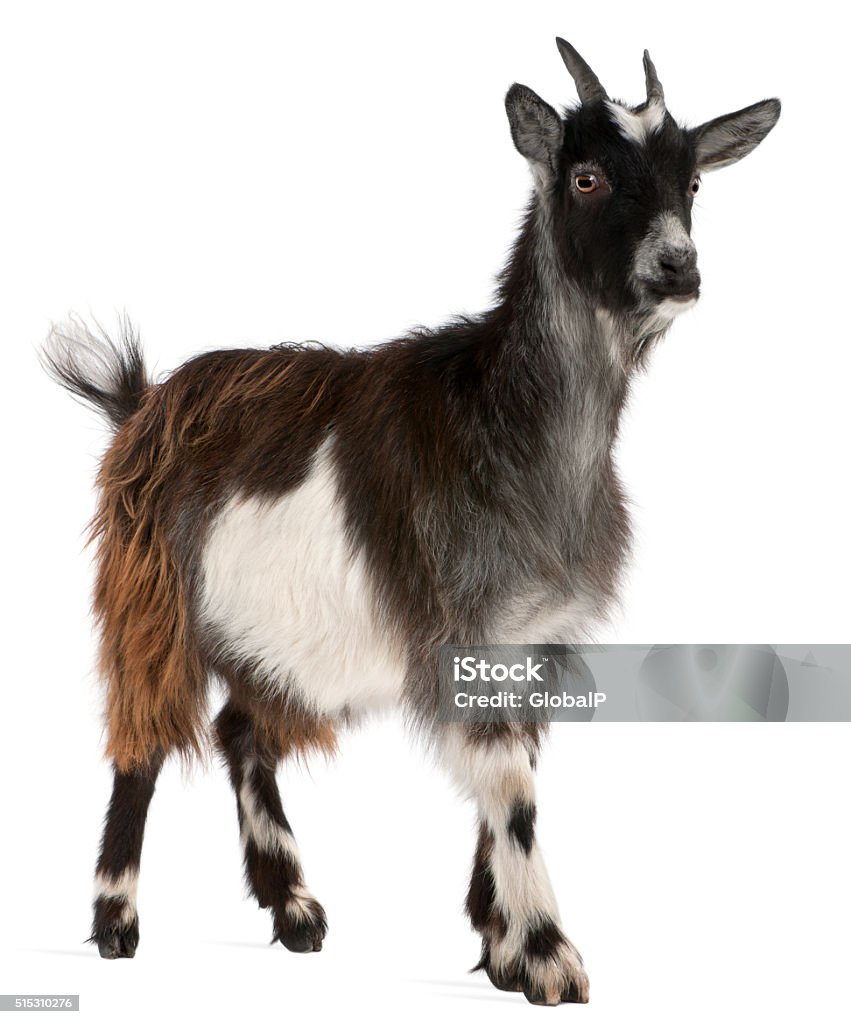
x,y
556,343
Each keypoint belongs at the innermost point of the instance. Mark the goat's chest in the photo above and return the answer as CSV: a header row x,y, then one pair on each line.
x,y
564,570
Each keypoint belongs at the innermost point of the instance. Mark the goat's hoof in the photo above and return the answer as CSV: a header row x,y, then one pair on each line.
x,y
550,982
506,980
558,977
301,926
118,944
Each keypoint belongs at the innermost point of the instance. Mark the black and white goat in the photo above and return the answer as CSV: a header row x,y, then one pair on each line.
x,y
309,526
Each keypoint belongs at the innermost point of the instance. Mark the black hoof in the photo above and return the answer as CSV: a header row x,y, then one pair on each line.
x,y
115,929
301,941
118,945
302,934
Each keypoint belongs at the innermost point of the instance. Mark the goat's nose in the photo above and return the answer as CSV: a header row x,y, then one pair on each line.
x,y
678,271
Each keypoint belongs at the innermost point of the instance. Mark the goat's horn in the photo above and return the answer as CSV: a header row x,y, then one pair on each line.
x,y
654,86
587,84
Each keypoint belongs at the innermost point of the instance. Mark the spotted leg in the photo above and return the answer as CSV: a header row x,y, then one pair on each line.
x,y
272,866
510,900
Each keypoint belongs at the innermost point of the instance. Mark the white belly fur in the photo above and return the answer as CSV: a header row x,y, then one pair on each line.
x,y
283,588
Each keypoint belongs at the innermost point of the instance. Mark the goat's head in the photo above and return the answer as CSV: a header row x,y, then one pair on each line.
x,y
618,183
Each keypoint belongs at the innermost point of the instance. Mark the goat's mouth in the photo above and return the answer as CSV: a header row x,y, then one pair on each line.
x,y
660,295
677,291
671,306
662,307
668,304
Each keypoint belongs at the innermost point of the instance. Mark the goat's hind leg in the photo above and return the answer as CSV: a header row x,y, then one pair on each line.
x,y
272,865
116,921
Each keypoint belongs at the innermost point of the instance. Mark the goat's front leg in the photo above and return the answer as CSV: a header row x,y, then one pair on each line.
x,y
510,901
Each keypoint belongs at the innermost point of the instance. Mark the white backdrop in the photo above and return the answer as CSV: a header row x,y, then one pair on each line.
x,y
257,172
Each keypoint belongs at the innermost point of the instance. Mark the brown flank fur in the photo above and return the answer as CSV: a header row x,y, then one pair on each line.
x,y
179,441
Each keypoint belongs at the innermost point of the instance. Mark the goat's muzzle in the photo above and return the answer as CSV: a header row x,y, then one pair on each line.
x,y
677,276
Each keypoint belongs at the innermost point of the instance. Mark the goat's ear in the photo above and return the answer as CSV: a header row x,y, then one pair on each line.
x,y
728,138
536,129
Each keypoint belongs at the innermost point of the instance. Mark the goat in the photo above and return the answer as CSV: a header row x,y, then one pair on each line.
x,y
309,525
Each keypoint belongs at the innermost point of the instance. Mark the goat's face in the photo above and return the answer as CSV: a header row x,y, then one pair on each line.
x,y
622,207
617,184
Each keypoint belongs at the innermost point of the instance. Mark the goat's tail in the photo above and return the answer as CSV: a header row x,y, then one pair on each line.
x,y
109,376
149,659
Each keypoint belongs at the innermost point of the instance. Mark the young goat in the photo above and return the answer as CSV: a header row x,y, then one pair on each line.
x,y
309,526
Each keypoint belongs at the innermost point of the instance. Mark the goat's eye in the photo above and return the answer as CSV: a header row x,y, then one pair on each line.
x,y
694,187
586,182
